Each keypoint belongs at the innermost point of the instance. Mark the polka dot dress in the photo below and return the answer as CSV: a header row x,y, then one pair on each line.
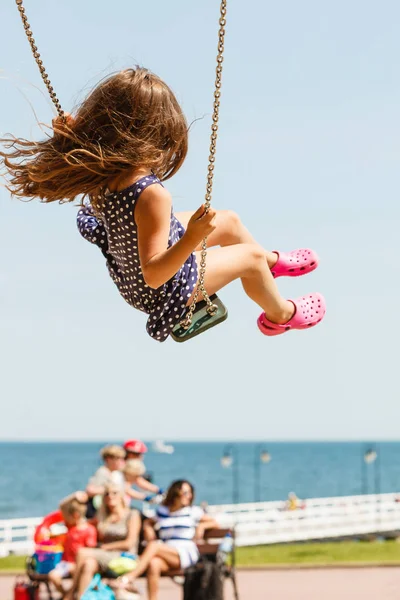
x,y
115,233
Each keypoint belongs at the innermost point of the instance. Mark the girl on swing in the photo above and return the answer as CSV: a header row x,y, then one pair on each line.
x,y
126,138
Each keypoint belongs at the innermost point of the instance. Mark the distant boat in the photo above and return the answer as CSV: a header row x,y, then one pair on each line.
x,y
160,446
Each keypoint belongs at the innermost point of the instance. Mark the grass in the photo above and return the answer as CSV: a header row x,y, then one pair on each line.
x,y
12,563
290,554
320,554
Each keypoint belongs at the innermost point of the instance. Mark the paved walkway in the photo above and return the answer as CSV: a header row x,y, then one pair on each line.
x,y
316,584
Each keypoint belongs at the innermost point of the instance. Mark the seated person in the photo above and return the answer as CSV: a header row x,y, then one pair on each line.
x,y
135,449
80,534
133,472
110,472
179,526
118,530
293,502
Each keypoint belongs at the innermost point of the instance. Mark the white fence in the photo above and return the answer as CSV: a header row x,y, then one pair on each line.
x,y
319,518
16,536
268,522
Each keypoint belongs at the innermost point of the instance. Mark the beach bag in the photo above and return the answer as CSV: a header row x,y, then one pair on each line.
x,y
24,590
45,561
203,581
98,590
122,565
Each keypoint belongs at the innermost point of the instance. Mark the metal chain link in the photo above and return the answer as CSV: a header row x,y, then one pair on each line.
x,y
38,60
211,308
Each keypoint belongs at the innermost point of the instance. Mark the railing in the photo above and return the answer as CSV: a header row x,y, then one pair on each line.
x,y
268,522
16,536
315,519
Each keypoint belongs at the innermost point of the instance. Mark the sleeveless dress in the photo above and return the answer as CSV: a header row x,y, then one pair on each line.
x,y
115,233
112,532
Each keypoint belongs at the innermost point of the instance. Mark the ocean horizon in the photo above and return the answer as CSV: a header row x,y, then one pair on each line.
x,y
35,475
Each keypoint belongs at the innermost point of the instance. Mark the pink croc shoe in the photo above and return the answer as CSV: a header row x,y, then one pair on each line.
x,y
295,263
310,310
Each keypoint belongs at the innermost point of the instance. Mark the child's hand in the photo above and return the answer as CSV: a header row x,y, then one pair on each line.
x,y
82,497
201,224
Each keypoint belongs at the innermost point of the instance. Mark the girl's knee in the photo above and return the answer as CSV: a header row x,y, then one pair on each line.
x,y
232,218
257,256
232,224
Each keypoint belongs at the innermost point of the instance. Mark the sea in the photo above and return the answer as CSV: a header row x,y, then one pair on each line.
x,y
34,477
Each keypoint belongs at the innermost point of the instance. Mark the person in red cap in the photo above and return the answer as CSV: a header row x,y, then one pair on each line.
x,y
135,449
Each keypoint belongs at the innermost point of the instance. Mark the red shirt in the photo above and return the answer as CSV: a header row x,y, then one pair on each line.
x,y
79,537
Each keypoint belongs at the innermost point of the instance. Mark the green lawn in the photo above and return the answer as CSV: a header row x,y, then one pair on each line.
x,y
293,554
12,563
320,554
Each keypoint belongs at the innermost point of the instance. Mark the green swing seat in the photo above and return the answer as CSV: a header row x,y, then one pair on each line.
x,y
201,320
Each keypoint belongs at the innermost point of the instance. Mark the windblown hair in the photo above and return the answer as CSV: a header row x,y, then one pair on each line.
x,y
130,120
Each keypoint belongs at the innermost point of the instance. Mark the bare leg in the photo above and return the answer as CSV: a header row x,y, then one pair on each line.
x,y
137,525
155,550
229,231
56,579
89,569
247,262
156,567
82,556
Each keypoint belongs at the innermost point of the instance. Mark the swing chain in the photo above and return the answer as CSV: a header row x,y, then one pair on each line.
x,y
38,60
211,308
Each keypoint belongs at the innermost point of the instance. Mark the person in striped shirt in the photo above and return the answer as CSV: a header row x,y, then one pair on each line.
x,y
172,537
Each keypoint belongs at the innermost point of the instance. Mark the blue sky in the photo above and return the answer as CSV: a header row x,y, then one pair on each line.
x,y
308,155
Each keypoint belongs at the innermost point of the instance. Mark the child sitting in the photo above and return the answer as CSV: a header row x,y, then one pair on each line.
x,y
133,471
80,534
110,472
136,449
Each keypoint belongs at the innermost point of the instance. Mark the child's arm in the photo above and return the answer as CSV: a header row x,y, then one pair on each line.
x,y
81,497
153,215
132,493
96,484
147,485
94,490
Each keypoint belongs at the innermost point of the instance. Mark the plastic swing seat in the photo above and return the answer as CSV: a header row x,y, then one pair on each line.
x,y
201,320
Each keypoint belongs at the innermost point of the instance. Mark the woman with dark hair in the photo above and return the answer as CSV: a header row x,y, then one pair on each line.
x,y
178,524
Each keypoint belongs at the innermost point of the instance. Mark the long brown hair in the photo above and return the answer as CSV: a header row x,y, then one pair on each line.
x,y
131,120
174,491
